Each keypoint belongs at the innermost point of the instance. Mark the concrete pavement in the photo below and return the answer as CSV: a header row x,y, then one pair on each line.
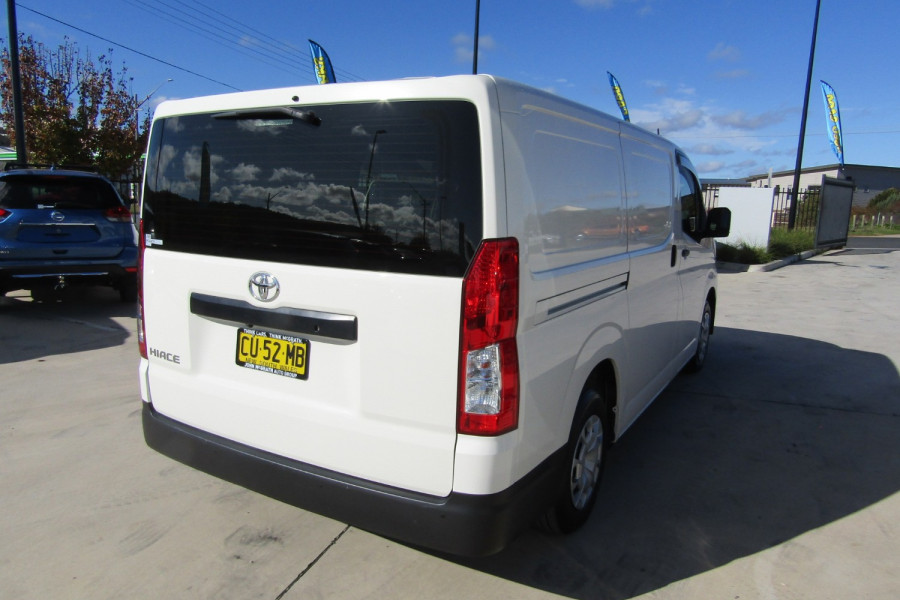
x,y
774,473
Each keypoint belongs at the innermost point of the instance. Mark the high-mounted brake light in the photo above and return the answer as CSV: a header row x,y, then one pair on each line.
x,y
141,330
489,360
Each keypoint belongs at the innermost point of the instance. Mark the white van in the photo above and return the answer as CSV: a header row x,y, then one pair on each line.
x,y
422,307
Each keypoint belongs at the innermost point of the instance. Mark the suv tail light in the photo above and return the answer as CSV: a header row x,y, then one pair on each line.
x,y
489,359
4,213
141,330
118,214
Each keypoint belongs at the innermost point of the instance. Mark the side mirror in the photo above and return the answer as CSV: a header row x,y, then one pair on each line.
x,y
718,223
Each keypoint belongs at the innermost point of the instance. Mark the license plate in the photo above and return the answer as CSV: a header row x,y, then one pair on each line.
x,y
273,353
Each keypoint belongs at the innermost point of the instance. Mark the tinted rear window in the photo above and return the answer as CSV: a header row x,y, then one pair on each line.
x,y
392,186
56,191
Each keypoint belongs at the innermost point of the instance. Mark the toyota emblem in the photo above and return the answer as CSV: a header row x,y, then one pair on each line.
x,y
264,287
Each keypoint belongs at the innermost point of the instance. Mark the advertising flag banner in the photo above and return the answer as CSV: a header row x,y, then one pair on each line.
x,y
321,63
617,92
833,121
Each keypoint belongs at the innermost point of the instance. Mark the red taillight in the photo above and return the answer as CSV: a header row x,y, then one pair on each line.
x,y
118,214
141,330
489,361
4,213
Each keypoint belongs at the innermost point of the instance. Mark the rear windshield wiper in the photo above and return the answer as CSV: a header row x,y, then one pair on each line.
x,y
277,112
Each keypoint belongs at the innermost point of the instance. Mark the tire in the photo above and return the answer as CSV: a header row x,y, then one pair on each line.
x,y
589,440
129,292
699,359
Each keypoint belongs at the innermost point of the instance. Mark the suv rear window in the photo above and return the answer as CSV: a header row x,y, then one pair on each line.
x,y
392,186
56,191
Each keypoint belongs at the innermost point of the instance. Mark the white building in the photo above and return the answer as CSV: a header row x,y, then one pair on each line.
x,y
869,180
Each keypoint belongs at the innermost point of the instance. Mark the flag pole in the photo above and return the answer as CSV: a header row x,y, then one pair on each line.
x,y
475,54
792,214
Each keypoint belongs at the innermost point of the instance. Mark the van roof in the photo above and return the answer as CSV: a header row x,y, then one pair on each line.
x,y
451,87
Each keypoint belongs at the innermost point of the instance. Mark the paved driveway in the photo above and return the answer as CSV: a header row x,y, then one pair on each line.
x,y
774,473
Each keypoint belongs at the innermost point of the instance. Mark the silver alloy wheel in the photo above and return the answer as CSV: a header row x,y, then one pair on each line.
x,y
586,461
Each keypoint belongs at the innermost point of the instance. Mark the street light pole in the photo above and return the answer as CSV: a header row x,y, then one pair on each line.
x,y
18,109
792,214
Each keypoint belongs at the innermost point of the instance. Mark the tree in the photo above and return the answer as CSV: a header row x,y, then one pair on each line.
x,y
77,111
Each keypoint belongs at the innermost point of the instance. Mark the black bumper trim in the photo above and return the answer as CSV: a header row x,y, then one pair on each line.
x,y
462,524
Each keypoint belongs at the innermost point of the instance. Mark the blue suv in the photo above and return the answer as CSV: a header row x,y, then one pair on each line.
x,y
64,227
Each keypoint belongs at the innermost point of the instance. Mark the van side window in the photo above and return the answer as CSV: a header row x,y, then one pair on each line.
x,y
692,213
648,182
583,219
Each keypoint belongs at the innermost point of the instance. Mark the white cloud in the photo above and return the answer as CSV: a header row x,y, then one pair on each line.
x,y
738,119
596,3
733,74
463,46
244,172
726,52
709,149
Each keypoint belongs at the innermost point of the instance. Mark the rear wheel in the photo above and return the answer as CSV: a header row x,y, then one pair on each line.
x,y
589,440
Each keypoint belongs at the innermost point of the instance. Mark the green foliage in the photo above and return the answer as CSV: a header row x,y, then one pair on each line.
x,y
784,243
743,253
887,201
77,110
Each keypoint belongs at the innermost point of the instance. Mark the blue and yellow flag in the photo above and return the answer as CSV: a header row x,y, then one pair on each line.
x,y
833,121
620,98
321,63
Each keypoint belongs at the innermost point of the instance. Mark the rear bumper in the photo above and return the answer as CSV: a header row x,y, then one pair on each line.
x,y
19,276
461,524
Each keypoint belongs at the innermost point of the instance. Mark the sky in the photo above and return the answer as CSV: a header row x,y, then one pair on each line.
x,y
723,79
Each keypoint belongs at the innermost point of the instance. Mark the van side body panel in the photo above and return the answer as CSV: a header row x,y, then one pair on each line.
x,y
566,206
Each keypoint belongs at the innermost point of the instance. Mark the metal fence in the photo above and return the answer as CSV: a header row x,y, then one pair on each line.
x,y
807,208
807,215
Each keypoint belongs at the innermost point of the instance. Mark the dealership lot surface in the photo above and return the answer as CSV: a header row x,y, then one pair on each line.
x,y
774,473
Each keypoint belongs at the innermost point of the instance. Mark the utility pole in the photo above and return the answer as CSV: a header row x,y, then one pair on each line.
x,y
21,153
792,214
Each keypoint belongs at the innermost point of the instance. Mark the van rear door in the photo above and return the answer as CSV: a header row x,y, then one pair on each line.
x,y
302,280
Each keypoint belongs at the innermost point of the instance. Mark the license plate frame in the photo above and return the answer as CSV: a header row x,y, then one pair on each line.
x,y
270,352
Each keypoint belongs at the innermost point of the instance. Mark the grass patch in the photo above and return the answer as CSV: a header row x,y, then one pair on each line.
x,y
871,231
782,243
743,253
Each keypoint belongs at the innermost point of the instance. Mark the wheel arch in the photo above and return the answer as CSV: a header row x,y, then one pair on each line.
x,y
604,378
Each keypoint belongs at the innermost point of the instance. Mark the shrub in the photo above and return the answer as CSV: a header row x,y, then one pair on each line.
x,y
783,243
743,253
887,201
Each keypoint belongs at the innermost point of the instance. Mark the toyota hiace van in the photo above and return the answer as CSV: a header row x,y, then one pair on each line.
x,y
422,307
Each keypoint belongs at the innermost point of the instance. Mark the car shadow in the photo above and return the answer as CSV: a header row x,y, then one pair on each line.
x,y
81,318
777,436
